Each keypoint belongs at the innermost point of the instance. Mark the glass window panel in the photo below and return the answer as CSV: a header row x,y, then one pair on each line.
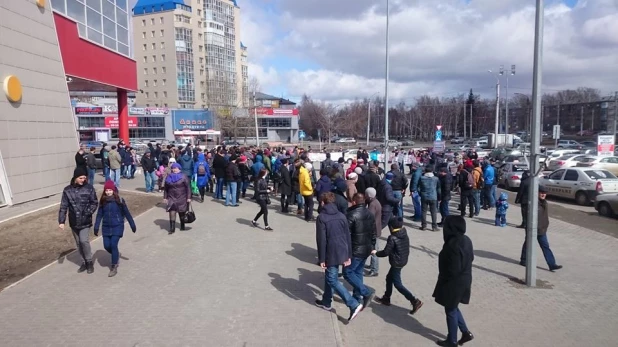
x,y
81,30
76,10
93,19
123,35
123,49
95,36
96,4
59,5
110,43
122,4
109,28
122,18
109,9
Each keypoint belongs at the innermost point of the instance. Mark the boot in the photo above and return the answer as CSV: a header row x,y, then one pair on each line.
x,y
384,300
416,305
82,268
465,337
172,227
90,266
182,224
113,271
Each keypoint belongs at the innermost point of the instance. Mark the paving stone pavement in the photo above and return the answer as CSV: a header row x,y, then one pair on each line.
x,y
225,283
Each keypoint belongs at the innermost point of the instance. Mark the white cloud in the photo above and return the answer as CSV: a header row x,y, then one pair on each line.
x,y
438,48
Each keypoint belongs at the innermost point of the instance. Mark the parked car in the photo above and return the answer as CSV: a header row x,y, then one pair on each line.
x,y
589,144
509,174
604,163
568,160
346,140
569,144
581,184
407,143
230,143
392,144
457,140
607,205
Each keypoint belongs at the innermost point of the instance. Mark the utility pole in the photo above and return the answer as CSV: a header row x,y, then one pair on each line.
x,y
592,119
386,151
533,190
506,97
558,124
368,120
464,124
615,112
257,132
581,121
471,109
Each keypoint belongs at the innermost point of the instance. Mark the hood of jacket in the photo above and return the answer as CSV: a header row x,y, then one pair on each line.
x,y
504,196
399,233
429,174
201,157
454,226
258,158
330,209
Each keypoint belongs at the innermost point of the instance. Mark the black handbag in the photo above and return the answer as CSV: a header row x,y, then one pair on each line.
x,y
189,216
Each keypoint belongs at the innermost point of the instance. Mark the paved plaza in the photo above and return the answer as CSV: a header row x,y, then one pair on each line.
x,y
225,283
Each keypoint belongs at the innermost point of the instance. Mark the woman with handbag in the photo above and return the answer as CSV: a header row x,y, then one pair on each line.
x,y
261,196
177,196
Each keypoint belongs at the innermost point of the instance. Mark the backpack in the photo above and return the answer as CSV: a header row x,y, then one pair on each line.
x,y
201,169
469,181
481,184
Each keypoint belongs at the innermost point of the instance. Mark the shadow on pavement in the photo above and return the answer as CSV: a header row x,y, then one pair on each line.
x,y
103,258
72,256
244,221
491,222
303,253
164,224
304,288
494,256
399,316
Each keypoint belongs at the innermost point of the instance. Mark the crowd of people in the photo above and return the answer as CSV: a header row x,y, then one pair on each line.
x,y
354,205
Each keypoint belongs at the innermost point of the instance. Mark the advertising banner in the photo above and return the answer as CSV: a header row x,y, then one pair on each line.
x,y
89,110
192,119
137,110
157,111
606,145
110,109
112,122
267,111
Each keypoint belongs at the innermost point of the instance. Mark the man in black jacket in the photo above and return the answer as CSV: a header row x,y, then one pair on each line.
x,y
466,191
286,186
386,198
149,165
446,185
399,183
397,250
218,164
80,200
334,249
363,235
522,198
372,179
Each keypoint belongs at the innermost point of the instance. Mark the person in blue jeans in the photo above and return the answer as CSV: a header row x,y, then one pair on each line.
x,y
363,236
488,190
397,250
417,173
334,249
112,213
542,226
446,186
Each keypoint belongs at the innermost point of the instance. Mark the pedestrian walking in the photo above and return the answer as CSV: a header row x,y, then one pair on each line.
x,y
429,190
79,199
334,249
91,162
286,186
363,236
387,198
417,173
177,196
466,190
397,250
201,174
306,189
522,198
232,176
115,164
149,166
502,205
261,196
542,226
112,213
373,205
454,279
446,186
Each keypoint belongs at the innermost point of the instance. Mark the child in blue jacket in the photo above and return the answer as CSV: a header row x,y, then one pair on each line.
x,y
501,207
112,212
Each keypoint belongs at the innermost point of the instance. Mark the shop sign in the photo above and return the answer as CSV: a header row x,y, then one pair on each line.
x,y
110,109
112,122
267,111
192,119
605,145
137,110
89,110
157,111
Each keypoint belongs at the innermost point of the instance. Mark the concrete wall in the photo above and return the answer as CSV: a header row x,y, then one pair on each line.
x,y
37,133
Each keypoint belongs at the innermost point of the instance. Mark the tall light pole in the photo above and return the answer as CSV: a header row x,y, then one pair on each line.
x,y
506,97
386,151
257,132
535,144
369,115
497,127
615,112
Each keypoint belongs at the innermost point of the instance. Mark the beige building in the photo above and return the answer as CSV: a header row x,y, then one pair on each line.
x,y
189,54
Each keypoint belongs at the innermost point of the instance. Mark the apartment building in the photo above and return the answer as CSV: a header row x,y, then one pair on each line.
x,y
188,54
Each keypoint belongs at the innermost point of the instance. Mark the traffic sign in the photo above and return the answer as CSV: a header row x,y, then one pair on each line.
x,y
439,146
301,134
556,132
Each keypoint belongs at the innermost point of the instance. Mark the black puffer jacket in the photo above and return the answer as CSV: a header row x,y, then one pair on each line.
x,y
261,190
397,248
372,180
81,203
362,230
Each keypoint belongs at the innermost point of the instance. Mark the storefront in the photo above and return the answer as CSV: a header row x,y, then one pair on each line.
x,y
95,124
193,126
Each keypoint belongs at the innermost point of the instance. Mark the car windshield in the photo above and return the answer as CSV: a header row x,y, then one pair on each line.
x,y
599,174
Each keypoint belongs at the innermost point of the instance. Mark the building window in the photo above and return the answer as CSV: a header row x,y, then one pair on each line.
x,y
161,20
146,83
201,72
201,48
164,94
156,95
162,45
144,35
144,24
144,47
152,33
165,105
199,12
203,96
154,58
151,21
145,59
162,57
154,83
201,60
147,95
145,71
154,46
163,70
154,70
162,33
163,81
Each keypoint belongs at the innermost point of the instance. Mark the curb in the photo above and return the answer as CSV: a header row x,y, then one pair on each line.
x,y
66,255
29,212
335,321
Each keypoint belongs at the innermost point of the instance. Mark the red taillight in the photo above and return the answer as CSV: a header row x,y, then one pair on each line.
x,y
560,162
599,187
514,177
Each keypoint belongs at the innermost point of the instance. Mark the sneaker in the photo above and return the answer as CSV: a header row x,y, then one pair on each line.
x,y
82,268
555,267
90,267
383,300
465,337
421,228
367,299
321,305
254,223
355,312
445,343
416,305
113,271
372,274
268,228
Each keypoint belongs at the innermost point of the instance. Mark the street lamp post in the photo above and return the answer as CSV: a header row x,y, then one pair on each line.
x,y
386,91
497,126
369,115
257,132
506,97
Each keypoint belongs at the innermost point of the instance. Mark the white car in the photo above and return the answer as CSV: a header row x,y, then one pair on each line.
x,y
604,163
346,140
581,184
568,160
457,140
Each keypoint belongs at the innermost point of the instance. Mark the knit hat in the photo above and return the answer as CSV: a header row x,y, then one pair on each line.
x,y
370,192
243,159
341,185
389,176
109,184
358,170
395,223
542,189
352,176
176,166
308,166
79,172
172,160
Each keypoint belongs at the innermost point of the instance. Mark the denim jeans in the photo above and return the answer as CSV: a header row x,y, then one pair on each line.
x,y
454,320
91,173
444,212
230,196
430,205
245,185
115,176
393,278
110,243
547,253
416,201
354,275
375,263
300,201
127,171
151,179
399,196
332,284
493,197
219,189
476,193
106,172
500,220
490,199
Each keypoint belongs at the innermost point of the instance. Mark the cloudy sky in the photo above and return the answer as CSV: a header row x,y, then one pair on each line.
x,y
334,50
